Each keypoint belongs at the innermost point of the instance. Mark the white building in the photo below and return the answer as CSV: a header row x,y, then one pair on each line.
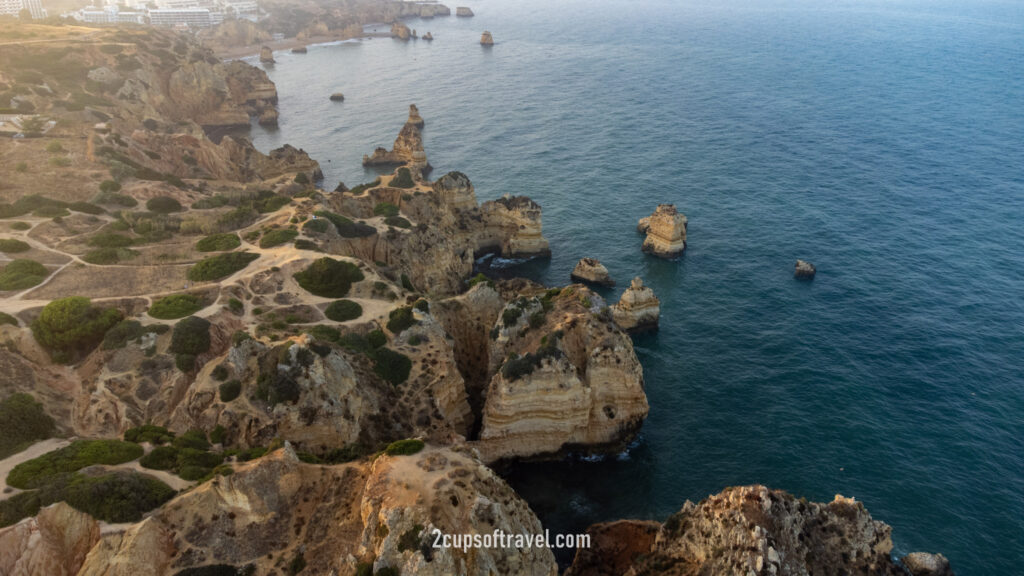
x,y
191,17
14,7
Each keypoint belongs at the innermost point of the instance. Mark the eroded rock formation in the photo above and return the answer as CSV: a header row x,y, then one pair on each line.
x,y
591,270
463,11
638,309
266,55
804,269
752,530
486,39
400,31
665,230
407,150
513,225
53,543
456,190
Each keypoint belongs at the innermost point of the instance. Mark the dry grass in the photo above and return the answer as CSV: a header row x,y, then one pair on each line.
x,y
111,281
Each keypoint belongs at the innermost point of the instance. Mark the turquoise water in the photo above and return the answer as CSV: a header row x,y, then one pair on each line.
x,y
883,141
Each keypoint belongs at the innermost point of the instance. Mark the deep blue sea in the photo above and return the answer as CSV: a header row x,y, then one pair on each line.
x,y
883,141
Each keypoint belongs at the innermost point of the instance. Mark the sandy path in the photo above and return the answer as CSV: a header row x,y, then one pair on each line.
x,y
34,451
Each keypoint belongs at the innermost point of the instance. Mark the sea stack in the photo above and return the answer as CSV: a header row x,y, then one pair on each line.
x,y
455,190
299,50
804,269
638,309
266,55
428,36
400,31
486,39
666,232
337,97
591,270
407,150
268,117
463,11
414,116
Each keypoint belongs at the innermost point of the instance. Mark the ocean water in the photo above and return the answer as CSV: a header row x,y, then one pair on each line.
x,y
883,141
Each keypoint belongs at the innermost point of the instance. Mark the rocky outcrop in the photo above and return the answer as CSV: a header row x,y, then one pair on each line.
x,y
463,11
804,269
591,270
925,564
564,377
54,543
638,309
456,190
379,513
486,39
428,36
268,118
407,150
753,530
400,31
665,230
266,55
614,547
337,97
512,224
299,50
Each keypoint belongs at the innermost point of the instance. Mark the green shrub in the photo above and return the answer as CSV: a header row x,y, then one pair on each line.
x,y
110,240
511,315
22,422
422,305
79,454
20,226
303,244
398,222
385,209
122,200
70,327
220,373
236,306
399,319
316,225
110,186
194,439
343,310
54,148
329,278
163,205
272,204
251,453
217,435
191,336
220,266
86,208
478,279
155,435
376,339
230,390
11,246
118,497
6,318
326,333
403,179
108,256
22,274
518,366
198,457
277,237
175,306
345,227
19,506
219,242
404,447
301,178
160,458
210,203
392,366
122,333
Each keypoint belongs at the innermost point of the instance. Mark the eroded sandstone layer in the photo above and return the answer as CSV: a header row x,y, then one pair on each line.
x,y
665,230
638,309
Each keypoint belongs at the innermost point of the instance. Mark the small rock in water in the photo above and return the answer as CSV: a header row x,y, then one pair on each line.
x,y
924,564
804,269
337,97
486,39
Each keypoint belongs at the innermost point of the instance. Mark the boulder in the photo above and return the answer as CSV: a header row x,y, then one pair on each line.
x,y
266,55
925,564
400,31
428,36
486,39
804,269
299,50
638,309
666,232
337,97
591,270
463,11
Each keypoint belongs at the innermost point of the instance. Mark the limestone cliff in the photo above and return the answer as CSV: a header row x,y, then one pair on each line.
x,y
513,225
456,190
407,150
380,512
750,531
665,230
638,309
54,543
591,270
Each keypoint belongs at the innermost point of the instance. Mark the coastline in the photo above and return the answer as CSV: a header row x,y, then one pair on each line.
x,y
253,50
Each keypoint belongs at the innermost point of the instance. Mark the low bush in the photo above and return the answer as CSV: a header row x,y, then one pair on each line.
x,y
343,310
155,435
20,226
122,333
403,179
277,237
236,306
112,198
220,266
219,242
81,453
398,222
11,246
22,422
175,306
316,225
385,209
347,228
22,274
329,278
86,208
478,279
220,372
405,447
191,336
303,244
118,497
108,256
194,439
163,205
230,390
399,319
210,203
160,458
70,327
272,204
392,366
110,240
6,318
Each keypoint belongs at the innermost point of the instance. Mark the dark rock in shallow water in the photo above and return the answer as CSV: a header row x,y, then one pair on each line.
x,y
924,564
804,269
337,97
299,50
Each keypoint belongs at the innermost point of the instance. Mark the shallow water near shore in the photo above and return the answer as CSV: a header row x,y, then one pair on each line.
x,y
881,141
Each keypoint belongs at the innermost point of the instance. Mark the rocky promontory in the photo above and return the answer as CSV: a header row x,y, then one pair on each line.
x,y
591,270
749,530
665,230
638,309
407,150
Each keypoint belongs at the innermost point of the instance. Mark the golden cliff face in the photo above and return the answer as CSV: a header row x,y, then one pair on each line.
x,y
514,223
54,543
638,309
665,230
